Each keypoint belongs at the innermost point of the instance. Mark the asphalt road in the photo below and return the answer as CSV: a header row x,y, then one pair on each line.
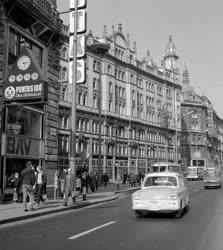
x,y
113,225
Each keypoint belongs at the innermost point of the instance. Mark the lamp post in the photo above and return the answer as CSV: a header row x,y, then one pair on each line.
x,y
101,49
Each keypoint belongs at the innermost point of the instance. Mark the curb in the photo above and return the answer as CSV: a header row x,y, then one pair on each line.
x,y
72,207
127,190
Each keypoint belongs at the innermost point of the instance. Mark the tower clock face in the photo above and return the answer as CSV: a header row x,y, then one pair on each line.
x,y
23,62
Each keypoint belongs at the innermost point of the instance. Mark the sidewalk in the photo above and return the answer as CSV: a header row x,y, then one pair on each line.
x,y
14,211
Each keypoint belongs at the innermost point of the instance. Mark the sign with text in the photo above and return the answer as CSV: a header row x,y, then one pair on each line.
x,y
81,71
22,146
80,3
81,46
82,16
23,91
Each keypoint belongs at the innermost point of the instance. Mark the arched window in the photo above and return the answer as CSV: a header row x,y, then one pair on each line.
x,y
109,69
64,74
95,65
64,53
110,88
84,99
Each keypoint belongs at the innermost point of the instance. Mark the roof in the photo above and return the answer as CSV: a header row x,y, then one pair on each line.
x,y
173,174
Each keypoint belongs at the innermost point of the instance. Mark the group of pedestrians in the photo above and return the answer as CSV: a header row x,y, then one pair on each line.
x,y
32,181
72,187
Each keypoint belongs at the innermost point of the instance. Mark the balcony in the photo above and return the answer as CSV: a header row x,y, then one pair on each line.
x,y
38,15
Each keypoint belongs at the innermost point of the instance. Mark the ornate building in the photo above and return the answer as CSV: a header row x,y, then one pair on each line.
x,y
30,39
136,96
201,136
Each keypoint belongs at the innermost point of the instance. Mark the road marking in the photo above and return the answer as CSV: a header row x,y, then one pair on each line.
x,y
91,230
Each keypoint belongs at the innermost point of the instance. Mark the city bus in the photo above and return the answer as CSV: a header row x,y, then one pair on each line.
x,y
166,167
195,173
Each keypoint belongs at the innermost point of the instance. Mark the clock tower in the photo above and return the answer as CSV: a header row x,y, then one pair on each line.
x,y
171,59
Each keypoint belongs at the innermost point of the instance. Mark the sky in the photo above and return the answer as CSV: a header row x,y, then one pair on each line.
x,y
195,26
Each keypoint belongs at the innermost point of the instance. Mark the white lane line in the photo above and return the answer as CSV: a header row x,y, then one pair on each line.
x,y
91,230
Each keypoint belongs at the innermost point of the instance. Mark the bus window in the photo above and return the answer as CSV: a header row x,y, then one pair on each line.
x,y
163,168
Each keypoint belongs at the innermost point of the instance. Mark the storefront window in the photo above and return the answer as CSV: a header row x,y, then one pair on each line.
x,y
23,122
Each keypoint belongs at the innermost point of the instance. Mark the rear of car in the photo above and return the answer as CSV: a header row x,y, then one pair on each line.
x,y
212,181
192,174
160,193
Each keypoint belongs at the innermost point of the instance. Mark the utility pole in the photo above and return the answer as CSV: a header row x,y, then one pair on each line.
x,y
73,104
101,49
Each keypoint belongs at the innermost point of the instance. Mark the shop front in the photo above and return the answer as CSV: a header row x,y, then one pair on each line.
x,y
21,141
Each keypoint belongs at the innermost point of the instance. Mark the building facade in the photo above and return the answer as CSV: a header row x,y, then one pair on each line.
x,y
140,108
201,135
30,38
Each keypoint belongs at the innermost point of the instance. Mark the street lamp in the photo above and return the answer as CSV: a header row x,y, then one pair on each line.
x,y
101,49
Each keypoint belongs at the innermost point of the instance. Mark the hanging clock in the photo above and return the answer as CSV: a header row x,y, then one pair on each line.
x,y
24,62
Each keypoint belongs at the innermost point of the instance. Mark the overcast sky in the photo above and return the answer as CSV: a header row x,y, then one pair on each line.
x,y
195,25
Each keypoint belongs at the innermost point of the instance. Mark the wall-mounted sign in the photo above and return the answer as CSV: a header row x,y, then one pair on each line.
x,y
82,16
23,91
21,146
81,46
81,71
80,3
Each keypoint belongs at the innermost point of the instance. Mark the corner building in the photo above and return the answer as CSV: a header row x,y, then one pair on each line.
x,y
29,119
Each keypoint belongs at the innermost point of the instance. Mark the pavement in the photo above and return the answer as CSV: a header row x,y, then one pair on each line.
x,y
12,212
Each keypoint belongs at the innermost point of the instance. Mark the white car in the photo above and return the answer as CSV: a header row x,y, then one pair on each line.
x,y
162,192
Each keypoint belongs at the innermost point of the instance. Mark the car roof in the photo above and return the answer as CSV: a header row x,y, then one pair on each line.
x,y
173,174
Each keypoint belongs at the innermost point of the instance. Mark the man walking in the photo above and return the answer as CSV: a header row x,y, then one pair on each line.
x,y
69,186
28,182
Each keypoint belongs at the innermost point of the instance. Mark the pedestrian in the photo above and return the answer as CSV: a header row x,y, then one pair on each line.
x,y
92,182
69,186
40,184
78,187
96,182
17,186
84,185
28,185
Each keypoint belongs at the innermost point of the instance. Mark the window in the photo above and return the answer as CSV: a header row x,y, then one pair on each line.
x,y
16,42
64,74
109,70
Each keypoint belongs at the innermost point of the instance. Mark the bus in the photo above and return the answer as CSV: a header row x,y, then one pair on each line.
x,y
195,173
166,167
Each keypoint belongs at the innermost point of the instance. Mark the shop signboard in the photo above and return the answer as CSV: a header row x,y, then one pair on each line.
x,y
24,91
22,146
25,80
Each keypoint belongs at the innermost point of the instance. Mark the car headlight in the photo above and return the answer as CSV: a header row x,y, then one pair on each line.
x,y
173,197
135,196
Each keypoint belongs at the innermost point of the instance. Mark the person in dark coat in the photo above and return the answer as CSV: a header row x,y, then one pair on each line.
x,y
40,183
28,184
69,186
84,185
17,186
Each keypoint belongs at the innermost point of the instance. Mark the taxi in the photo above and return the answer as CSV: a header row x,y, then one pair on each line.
x,y
163,192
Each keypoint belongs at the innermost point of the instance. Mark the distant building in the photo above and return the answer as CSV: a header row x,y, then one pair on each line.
x,y
202,129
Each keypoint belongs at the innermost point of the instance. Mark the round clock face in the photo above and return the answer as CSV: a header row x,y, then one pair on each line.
x,y
11,78
19,78
27,77
23,62
34,76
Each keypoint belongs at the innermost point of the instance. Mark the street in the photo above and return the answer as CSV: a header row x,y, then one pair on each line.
x,y
113,225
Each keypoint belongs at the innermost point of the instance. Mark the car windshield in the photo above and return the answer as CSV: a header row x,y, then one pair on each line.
x,y
160,181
